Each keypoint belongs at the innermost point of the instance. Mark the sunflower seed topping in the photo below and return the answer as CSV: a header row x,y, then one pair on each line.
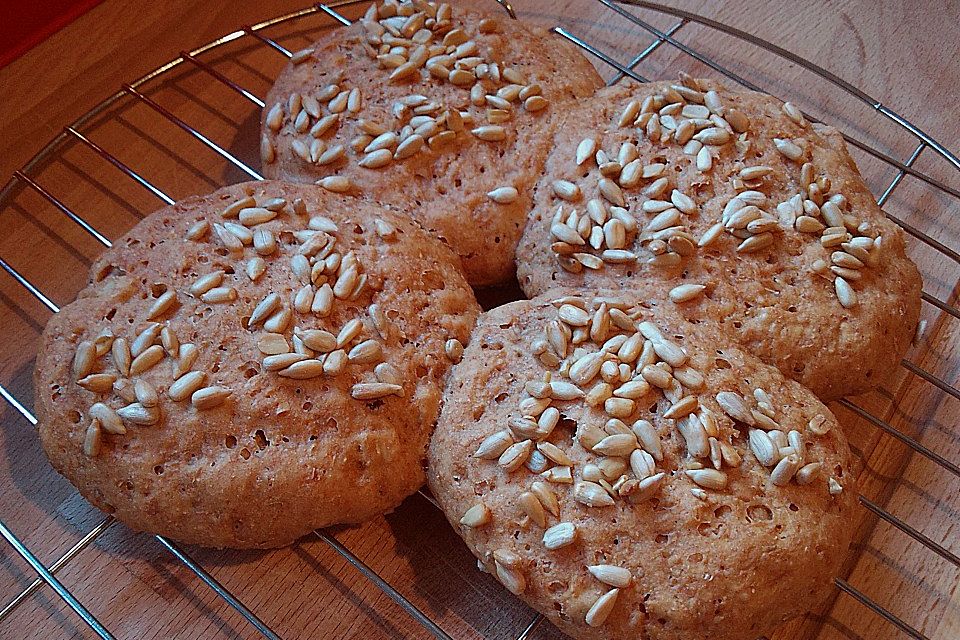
x,y
375,390
503,195
476,516
611,575
559,535
602,608
209,397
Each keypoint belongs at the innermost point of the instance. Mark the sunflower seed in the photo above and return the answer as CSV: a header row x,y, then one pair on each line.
x,y
601,609
559,535
735,407
146,394
796,441
200,228
611,191
453,349
591,494
845,293
374,390
162,304
138,414
818,425
108,418
303,370
348,332
209,397
630,390
98,382
648,438
366,352
585,150
642,464
146,360
566,190
695,436
788,149
531,506
708,478
186,385
219,295
322,300
274,119
763,448
512,579
264,309
515,455
713,136
476,516
682,408
336,184
503,195
255,268
92,439
808,473
611,575
493,445
785,470
84,359
554,453
233,210
620,444
490,133
282,361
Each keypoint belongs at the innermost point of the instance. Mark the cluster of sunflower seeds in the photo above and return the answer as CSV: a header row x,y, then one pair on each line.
x,y
606,231
406,39
604,354
127,360
852,244
409,36
687,115
325,276
744,218
781,450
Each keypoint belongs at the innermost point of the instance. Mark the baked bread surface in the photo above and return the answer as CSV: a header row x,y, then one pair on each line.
x,y
285,450
777,289
509,80
727,555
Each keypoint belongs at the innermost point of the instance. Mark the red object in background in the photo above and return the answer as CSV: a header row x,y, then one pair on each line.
x,y
24,25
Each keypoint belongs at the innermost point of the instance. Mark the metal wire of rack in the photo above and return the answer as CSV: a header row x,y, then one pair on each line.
x,y
24,179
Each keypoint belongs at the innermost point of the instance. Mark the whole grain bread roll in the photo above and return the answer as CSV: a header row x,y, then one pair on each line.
x,y
632,474
444,110
252,364
743,211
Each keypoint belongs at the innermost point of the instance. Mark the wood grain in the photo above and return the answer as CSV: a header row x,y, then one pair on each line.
x,y
904,55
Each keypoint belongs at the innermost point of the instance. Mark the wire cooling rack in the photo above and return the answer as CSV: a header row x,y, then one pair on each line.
x,y
894,418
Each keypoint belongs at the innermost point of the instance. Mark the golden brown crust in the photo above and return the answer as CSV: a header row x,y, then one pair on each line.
x,y
729,565
280,456
772,299
444,184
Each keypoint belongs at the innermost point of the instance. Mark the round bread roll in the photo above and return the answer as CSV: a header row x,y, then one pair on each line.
x,y
252,364
743,211
631,474
445,111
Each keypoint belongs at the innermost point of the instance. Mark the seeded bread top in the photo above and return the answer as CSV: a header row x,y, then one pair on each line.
x,y
433,108
252,364
759,219
632,474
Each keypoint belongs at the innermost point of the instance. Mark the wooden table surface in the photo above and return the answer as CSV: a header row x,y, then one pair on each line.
x,y
903,54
